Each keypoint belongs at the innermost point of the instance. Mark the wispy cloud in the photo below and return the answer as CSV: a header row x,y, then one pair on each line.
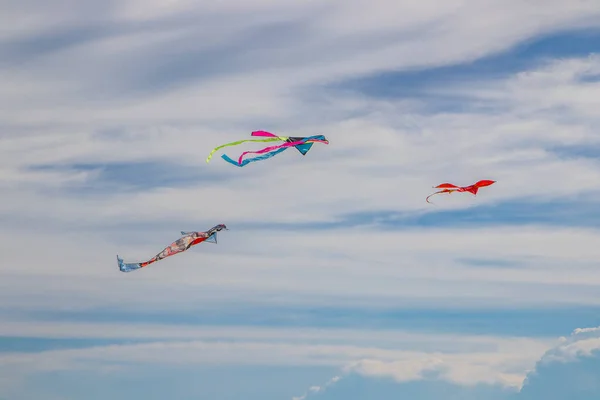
x,y
467,359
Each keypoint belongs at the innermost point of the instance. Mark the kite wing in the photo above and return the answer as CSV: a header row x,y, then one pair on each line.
x,y
304,144
446,186
484,183
478,185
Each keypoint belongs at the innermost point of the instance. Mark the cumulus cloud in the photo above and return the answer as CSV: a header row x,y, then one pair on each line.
x,y
583,342
568,370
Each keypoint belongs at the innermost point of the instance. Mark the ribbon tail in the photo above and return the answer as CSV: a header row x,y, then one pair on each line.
x,y
250,160
267,134
271,139
439,192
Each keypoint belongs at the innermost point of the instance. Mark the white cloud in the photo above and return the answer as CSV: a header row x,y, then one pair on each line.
x,y
381,269
466,363
583,342
497,146
315,43
391,339
579,331
318,389
167,81
557,85
505,368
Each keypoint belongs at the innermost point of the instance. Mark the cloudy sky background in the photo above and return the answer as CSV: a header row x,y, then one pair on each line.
x,y
336,279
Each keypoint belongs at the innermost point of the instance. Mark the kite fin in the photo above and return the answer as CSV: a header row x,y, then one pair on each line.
x,y
303,148
212,238
484,183
308,142
123,267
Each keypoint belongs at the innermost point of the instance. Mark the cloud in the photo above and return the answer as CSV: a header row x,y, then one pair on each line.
x,y
564,85
318,389
569,370
406,356
583,342
381,269
509,145
110,112
561,373
474,358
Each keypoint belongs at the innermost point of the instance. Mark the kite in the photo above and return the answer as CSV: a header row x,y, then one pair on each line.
x,y
449,188
187,240
302,144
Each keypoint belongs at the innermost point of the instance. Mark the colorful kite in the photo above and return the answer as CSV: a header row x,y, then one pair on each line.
x,y
187,240
302,144
449,188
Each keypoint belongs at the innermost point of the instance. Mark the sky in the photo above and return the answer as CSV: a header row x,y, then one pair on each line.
x,y
335,280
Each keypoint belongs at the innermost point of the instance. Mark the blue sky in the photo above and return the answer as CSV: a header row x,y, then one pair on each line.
x,y
336,279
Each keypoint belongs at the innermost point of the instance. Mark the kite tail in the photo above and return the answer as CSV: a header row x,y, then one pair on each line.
x,y
259,158
267,134
427,198
270,139
439,192
127,267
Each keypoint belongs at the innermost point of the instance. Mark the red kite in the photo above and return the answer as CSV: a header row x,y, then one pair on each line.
x,y
449,188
